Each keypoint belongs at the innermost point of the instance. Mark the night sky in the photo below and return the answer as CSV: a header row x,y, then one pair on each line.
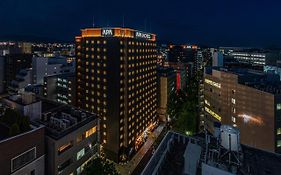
x,y
214,23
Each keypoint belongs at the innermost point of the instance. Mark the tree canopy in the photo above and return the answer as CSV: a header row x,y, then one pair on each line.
x,y
99,166
182,107
17,123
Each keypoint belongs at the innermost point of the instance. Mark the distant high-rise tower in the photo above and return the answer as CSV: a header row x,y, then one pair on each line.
x,y
116,78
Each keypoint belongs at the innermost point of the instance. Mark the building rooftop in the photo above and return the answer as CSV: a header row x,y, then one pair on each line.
x,y
181,154
267,82
9,117
60,119
116,32
23,99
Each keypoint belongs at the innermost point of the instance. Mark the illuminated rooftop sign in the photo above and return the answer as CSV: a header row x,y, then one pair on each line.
x,y
115,32
143,35
107,32
212,83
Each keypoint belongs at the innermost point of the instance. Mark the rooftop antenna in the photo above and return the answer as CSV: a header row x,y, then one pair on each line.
x,y
93,21
145,25
150,30
123,22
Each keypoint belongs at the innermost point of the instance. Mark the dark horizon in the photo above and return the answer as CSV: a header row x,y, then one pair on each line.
x,y
220,23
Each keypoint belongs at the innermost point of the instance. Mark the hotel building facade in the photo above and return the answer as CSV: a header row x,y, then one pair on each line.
x,y
116,78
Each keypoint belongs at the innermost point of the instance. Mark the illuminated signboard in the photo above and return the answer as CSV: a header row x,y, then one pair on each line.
x,y
107,32
143,35
210,82
212,113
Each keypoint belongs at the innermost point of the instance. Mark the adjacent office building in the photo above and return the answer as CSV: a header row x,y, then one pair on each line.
x,y
248,100
60,88
251,56
166,79
14,63
116,78
43,66
182,53
217,58
184,71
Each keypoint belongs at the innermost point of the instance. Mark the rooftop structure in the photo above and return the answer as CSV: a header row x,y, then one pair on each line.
x,y
116,32
26,103
61,119
267,82
72,137
16,130
206,154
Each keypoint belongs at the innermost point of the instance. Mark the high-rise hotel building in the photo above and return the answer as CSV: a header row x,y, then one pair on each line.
x,y
116,78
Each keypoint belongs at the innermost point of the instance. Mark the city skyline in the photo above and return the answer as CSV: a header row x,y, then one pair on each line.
x,y
204,23
140,87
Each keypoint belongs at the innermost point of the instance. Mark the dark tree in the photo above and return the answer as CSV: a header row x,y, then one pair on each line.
x,y
100,166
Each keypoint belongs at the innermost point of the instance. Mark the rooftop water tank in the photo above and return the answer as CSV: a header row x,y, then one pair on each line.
x,y
230,138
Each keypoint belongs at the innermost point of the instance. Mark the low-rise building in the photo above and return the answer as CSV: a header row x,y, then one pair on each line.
x,y
72,138
71,135
24,152
26,104
209,155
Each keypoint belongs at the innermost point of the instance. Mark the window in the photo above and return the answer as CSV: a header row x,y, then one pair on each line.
x,y
278,143
278,106
64,165
91,131
23,159
80,154
233,101
233,119
64,147
234,110
278,131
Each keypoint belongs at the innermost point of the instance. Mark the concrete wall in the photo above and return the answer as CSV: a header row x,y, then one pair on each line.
x,y
42,68
15,146
38,166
